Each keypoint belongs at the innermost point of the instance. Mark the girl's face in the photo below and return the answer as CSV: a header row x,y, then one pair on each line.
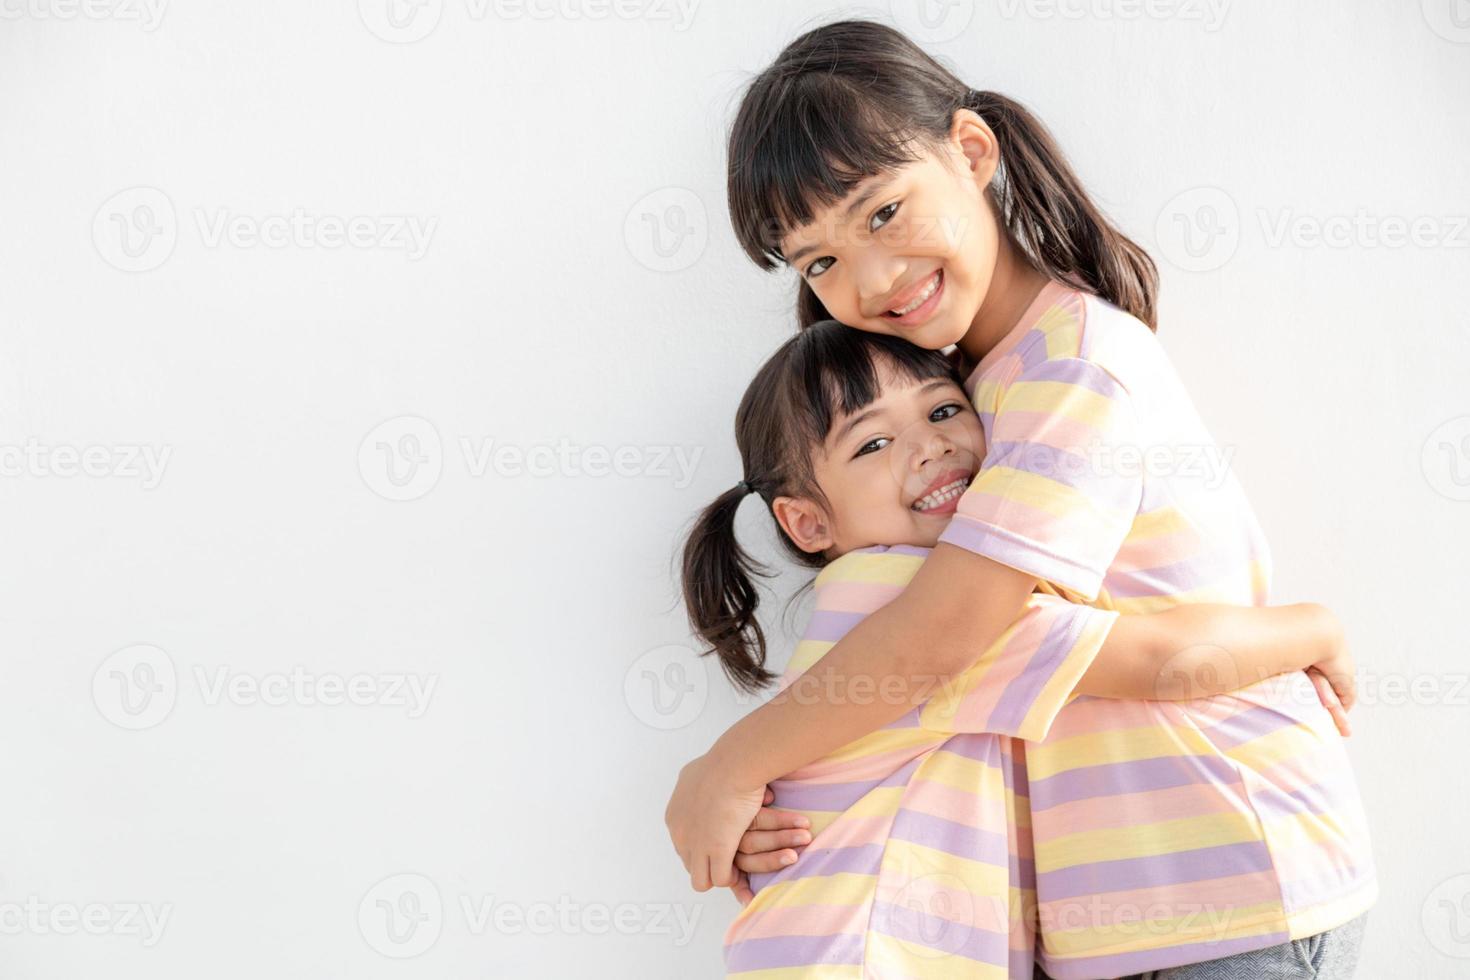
x,y
892,473
911,253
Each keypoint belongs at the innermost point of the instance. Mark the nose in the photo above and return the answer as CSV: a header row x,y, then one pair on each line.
x,y
876,272
929,443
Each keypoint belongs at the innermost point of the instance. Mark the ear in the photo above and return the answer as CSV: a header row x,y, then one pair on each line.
x,y
804,522
975,140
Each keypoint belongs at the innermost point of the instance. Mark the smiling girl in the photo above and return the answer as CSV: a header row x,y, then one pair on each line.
x,y
912,205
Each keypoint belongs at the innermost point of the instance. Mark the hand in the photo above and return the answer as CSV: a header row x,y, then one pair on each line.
x,y
768,845
706,816
1335,677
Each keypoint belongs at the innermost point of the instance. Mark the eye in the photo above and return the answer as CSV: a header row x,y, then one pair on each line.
x,y
946,411
885,213
819,266
872,446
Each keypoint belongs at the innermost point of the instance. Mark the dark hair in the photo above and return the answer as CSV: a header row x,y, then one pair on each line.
x,y
817,377
845,102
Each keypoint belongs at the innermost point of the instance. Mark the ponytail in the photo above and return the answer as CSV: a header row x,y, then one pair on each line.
x,y
1051,216
720,592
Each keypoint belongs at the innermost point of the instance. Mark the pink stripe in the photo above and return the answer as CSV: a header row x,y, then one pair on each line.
x,y
799,920
1134,809
858,597
1212,900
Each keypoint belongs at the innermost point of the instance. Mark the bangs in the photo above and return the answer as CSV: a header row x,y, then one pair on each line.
x,y
800,144
840,370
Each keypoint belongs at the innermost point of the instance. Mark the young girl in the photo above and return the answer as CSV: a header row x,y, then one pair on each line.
x,y
913,205
921,860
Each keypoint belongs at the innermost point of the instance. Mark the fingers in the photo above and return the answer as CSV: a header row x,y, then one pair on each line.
x,y
769,819
1330,700
756,841
742,890
765,862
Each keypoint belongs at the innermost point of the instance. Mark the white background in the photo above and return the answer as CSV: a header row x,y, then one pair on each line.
x,y
539,153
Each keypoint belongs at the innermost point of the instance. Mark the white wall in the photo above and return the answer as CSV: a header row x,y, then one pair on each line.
x,y
533,155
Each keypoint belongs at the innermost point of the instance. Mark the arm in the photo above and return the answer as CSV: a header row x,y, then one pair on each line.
x,y
1198,650
1190,651
927,635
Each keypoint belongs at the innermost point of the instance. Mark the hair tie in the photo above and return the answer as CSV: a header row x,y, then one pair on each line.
x,y
745,487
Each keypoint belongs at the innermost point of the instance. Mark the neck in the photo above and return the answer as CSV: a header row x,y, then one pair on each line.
x,y
1013,285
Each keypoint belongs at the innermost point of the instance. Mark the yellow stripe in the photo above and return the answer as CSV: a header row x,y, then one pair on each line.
x,y
885,568
823,972
889,956
1062,399
1120,745
1146,840
844,888
1136,934
1042,493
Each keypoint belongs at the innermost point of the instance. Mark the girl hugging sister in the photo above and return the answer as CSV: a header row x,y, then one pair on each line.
x,y
1067,583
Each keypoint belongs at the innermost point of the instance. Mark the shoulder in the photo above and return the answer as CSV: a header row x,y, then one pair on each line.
x,y
1084,339
878,565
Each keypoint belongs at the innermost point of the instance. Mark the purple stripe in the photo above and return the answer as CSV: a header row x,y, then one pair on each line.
x,y
800,794
1145,961
1030,350
951,837
1115,492
1138,776
1185,575
1020,695
979,747
948,930
779,951
1246,725
1021,553
1075,371
828,625
1201,864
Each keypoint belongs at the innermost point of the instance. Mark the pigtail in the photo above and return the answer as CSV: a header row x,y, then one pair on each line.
x,y
721,594
1050,214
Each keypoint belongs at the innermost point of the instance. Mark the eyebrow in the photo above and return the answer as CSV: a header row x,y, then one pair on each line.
x,y
862,417
875,186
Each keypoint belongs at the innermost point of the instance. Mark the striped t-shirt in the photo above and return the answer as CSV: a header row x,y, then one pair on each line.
x,y
920,862
1164,833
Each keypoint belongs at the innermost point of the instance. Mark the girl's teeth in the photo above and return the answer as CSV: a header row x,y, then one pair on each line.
x,y
918,300
945,493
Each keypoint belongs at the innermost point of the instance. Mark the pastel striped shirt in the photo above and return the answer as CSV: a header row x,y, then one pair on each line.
x,y
1164,833
920,861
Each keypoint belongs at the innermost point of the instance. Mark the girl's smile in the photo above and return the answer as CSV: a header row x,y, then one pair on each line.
x,y
916,304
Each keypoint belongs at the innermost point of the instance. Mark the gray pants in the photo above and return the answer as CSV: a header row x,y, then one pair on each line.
x,y
1330,955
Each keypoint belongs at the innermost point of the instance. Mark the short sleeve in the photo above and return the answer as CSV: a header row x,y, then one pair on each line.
x,y
1028,675
1061,481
